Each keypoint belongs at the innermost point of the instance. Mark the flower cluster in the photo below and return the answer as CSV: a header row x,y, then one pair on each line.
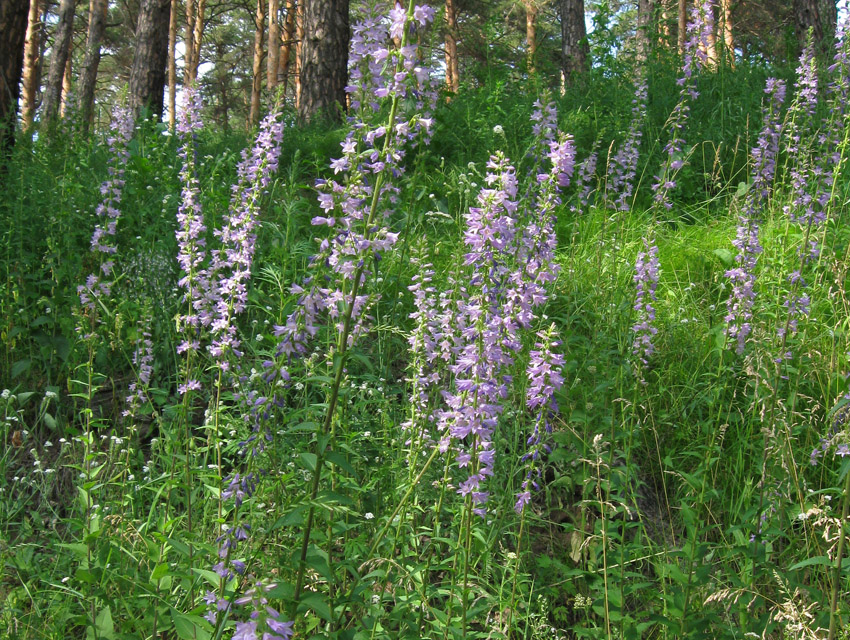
x,y
622,168
191,240
699,27
143,364
545,378
545,124
472,410
230,268
586,177
510,252
108,211
743,276
356,208
646,282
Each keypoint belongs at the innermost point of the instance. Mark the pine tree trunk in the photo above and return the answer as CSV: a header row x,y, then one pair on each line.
x,y
274,45
299,50
728,37
88,75
66,88
286,47
829,21
172,66
30,74
807,16
13,30
683,26
574,46
148,74
189,43
530,34
644,30
452,63
711,44
324,70
59,60
256,87
197,37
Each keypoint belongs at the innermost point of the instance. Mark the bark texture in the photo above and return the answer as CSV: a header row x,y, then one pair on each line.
x,y
726,25
59,60
189,43
682,14
299,49
274,45
288,41
574,46
172,65
30,73
13,30
643,34
807,15
88,75
147,76
324,69
452,62
198,36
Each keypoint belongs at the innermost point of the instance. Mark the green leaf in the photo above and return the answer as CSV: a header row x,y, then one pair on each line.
x,y
210,576
78,548
338,459
309,460
20,367
190,627
159,571
316,602
725,256
104,625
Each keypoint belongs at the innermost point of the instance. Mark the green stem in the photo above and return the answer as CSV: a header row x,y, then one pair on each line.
x,y
833,604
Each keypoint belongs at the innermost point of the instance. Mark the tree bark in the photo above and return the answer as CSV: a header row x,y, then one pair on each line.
x,y
88,76
452,62
299,50
197,37
643,32
324,70
172,66
683,26
807,15
256,86
147,76
728,38
66,89
13,30
59,60
274,45
286,47
574,46
30,73
189,43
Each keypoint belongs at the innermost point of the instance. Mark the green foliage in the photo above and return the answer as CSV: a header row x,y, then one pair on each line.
x,y
685,507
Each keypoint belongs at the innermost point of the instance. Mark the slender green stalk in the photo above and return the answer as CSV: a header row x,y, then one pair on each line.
x,y
842,536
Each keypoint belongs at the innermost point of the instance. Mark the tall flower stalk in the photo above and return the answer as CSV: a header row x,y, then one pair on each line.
x,y
356,210
99,283
743,277
699,31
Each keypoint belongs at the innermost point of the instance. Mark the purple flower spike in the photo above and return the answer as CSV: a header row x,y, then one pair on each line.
x,y
646,282
743,276
99,284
